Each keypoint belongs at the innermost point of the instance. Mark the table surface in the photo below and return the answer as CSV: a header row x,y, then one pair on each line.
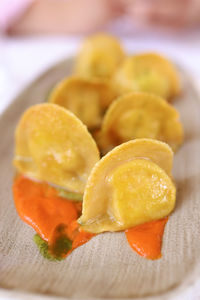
x,y
23,59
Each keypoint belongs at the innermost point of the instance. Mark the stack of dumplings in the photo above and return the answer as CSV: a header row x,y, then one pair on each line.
x,y
109,133
119,97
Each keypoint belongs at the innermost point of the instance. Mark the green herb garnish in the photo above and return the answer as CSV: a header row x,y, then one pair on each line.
x,y
70,195
43,248
61,247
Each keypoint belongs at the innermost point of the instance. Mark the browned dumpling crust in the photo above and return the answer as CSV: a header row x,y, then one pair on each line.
x,y
53,145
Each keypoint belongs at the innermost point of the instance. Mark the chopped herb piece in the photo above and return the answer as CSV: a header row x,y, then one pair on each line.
x,y
70,195
44,248
61,247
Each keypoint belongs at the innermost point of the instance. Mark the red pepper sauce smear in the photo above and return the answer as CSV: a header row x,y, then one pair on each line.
x,y
39,205
146,239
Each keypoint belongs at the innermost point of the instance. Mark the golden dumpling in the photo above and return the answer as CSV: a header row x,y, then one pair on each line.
x,y
99,57
140,115
87,99
129,186
147,72
54,146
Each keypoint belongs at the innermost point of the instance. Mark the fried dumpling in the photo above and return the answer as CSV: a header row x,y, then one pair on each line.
x,y
147,72
99,57
140,115
86,98
53,145
129,186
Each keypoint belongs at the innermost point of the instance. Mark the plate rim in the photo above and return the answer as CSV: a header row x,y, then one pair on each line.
x,y
191,279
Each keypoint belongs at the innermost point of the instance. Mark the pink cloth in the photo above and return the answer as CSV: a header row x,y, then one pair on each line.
x,y
11,11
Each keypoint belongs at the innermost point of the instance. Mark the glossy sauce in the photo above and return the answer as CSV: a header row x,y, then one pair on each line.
x,y
39,205
146,239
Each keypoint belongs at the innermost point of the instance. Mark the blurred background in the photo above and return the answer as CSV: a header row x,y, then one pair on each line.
x,y
35,34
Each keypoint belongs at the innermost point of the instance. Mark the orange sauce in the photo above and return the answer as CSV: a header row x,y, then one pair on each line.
x,y
39,205
146,239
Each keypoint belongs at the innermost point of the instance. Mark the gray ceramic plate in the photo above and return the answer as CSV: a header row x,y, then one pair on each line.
x,y
106,267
